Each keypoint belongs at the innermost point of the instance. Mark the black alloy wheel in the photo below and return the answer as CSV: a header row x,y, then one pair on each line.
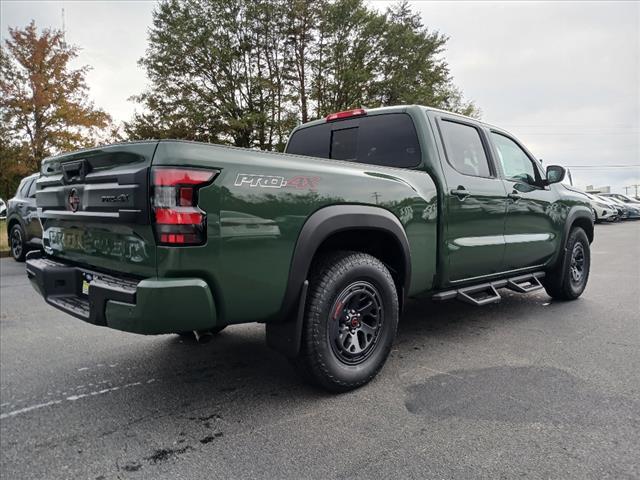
x,y
350,322
568,279
18,247
577,265
357,316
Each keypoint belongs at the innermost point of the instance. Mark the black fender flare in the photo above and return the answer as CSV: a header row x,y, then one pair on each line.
x,y
284,332
13,219
574,214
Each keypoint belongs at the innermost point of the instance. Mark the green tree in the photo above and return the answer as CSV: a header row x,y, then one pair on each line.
x,y
412,70
245,72
347,56
302,35
217,73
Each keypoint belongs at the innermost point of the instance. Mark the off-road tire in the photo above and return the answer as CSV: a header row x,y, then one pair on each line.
x,y
322,355
559,283
17,243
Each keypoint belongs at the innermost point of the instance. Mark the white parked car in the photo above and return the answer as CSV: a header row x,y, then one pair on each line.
x,y
3,209
603,209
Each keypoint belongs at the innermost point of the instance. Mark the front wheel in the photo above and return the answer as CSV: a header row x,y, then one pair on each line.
x,y
569,279
350,321
17,242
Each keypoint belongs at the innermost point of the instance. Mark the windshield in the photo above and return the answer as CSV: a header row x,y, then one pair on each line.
x,y
627,199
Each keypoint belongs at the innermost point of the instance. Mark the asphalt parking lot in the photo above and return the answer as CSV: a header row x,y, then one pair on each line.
x,y
525,388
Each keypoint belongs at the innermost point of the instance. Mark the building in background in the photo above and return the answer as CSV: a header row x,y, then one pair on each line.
x,y
596,190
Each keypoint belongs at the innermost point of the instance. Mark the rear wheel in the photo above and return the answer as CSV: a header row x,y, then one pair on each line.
x,y
17,242
569,279
350,321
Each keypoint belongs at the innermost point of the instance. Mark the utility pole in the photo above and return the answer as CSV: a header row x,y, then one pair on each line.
x,y
376,195
626,190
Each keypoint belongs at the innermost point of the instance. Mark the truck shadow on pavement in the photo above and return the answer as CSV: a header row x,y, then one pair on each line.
x,y
238,359
238,367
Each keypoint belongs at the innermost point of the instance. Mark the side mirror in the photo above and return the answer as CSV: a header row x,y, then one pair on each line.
x,y
555,174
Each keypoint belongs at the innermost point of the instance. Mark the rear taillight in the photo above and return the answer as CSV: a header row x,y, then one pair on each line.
x,y
177,218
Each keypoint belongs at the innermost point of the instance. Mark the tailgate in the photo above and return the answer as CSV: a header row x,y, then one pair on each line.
x,y
94,208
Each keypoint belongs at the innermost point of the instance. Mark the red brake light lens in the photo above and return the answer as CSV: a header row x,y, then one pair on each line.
x,y
356,112
177,218
181,216
181,176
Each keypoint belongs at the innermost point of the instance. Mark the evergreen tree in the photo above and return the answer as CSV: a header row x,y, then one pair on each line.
x,y
244,72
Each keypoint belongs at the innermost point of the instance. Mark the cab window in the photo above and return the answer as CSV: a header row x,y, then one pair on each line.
x,y
516,164
464,149
388,139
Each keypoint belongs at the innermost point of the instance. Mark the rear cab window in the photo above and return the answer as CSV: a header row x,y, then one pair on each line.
x,y
388,139
464,149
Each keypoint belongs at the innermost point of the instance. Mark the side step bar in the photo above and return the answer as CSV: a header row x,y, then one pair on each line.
x,y
487,293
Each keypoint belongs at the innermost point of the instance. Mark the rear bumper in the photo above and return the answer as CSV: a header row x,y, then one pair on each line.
x,y
149,306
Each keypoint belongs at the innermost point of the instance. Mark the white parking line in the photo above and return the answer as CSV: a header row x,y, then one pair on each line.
x,y
28,409
73,398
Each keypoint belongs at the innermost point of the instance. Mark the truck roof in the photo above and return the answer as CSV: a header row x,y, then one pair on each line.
x,y
402,109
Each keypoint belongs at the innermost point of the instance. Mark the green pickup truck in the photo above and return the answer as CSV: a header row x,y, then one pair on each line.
x,y
324,243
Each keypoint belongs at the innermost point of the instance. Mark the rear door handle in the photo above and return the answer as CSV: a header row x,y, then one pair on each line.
x,y
460,192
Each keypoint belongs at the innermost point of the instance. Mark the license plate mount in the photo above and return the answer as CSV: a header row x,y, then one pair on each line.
x,y
86,278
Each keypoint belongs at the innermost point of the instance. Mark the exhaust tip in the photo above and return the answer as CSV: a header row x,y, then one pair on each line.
x,y
203,336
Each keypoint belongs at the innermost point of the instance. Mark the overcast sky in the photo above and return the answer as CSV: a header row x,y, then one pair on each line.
x,y
563,77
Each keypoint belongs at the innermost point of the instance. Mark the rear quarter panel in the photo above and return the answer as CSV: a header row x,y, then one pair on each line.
x,y
252,228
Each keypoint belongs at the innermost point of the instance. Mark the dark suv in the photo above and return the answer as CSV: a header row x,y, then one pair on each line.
x,y
23,226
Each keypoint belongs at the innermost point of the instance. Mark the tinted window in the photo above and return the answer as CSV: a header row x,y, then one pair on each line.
x,y
388,139
515,163
310,141
23,188
32,189
344,144
464,149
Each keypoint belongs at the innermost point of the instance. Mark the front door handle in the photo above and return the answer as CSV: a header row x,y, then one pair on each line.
x,y
460,192
514,196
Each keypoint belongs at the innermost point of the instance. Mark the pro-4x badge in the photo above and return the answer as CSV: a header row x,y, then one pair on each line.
x,y
299,182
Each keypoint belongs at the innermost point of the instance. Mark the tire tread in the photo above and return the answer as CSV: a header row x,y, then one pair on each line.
x,y
323,273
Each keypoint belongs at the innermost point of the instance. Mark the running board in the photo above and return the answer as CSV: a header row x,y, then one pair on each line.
x,y
525,283
487,293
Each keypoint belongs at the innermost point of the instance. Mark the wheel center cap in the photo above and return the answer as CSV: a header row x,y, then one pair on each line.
x,y
355,323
